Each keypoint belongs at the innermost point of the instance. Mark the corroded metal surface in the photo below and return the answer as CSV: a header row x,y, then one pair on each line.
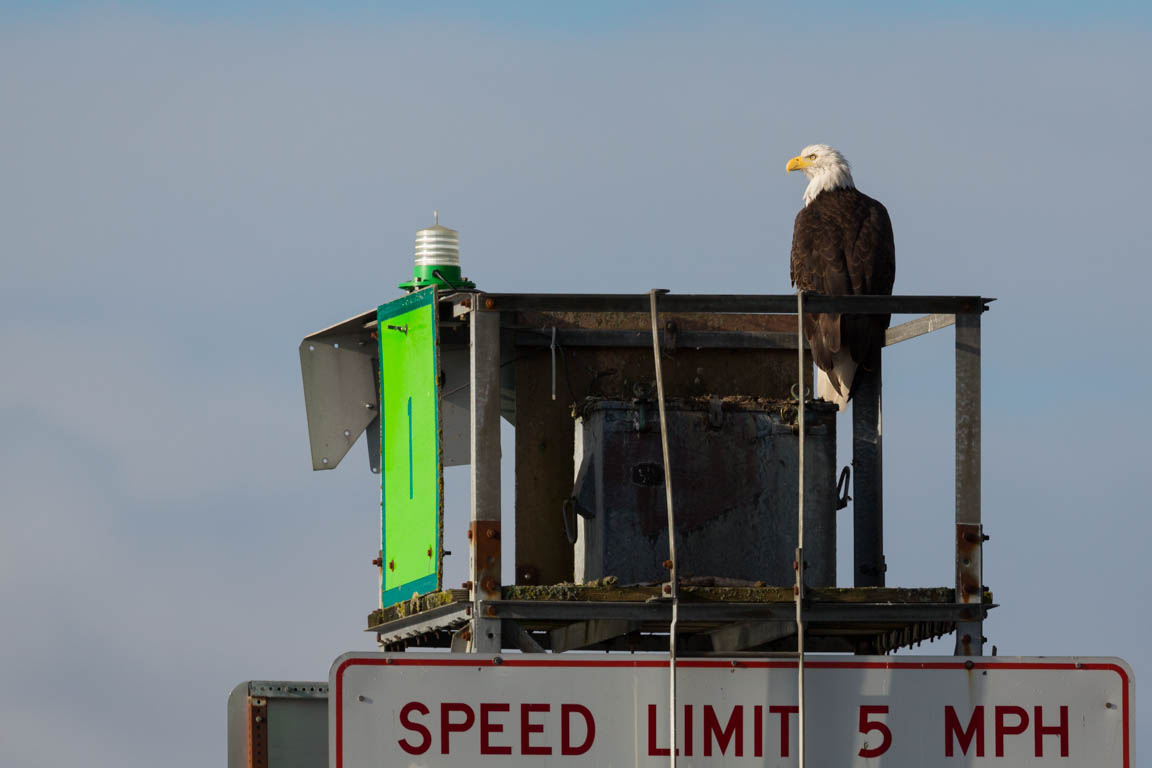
x,y
734,467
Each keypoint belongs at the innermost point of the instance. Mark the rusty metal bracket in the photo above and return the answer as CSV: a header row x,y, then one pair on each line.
x,y
485,538
969,575
257,732
969,586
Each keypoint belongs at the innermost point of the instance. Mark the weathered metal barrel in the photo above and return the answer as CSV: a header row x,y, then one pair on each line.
x,y
734,478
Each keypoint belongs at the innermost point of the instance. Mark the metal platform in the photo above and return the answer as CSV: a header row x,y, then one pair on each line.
x,y
513,354
713,619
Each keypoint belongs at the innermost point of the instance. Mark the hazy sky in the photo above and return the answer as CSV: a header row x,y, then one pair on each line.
x,y
186,190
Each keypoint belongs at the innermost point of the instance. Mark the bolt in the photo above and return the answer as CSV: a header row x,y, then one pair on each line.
x,y
489,304
469,534
467,585
668,564
378,562
490,610
491,585
497,661
667,589
429,551
490,533
968,664
391,565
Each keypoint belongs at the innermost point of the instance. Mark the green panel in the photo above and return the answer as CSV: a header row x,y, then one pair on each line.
x,y
410,468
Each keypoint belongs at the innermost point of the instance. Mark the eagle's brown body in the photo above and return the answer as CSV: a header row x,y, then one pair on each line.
x,y
842,245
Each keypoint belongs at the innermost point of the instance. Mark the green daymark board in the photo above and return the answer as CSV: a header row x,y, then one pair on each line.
x,y
411,487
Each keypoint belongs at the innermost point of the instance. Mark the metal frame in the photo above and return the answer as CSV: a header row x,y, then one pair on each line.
x,y
484,528
484,311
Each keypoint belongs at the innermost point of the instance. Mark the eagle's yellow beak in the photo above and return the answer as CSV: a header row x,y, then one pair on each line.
x,y
797,163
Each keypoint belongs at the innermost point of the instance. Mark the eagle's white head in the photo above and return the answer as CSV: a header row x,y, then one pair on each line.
x,y
825,168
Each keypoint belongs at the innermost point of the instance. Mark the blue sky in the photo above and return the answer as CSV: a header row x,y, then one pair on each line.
x,y
187,190
596,16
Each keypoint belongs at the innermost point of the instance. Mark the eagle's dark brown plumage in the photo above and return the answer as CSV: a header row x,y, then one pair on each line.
x,y
842,244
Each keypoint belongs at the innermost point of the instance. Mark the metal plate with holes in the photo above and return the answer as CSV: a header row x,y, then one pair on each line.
x,y
337,365
278,724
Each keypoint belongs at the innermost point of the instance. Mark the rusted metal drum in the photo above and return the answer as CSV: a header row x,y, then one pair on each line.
x,y
734,478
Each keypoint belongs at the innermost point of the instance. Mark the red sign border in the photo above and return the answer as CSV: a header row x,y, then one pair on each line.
x,y
518,661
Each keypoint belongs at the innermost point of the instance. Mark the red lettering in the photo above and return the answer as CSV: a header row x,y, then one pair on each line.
x,y
785,728
406,721
964,737
487,727
1003,729
447,726
566,747
527,728
733,729
653,750
688,730
758,731
1051,730
867,725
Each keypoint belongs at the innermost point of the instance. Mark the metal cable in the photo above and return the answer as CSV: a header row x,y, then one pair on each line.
x,y
672,749
799,565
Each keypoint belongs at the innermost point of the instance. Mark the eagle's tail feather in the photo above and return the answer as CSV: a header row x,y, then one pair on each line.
x,y
837,386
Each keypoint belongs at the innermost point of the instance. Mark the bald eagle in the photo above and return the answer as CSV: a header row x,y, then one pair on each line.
x,y
841,245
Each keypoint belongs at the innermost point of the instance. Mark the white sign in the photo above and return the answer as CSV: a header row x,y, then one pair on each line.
x,y
612,710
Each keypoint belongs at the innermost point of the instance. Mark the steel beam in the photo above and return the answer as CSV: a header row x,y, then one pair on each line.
x,y
969,529
484,528
516,637
660,611
750,634
868,481
585,633
591,337
730,304
917,327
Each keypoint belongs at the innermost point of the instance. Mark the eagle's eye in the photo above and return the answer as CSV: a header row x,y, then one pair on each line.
x,y
812,156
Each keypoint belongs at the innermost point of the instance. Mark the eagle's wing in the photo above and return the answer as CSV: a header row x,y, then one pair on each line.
x,y
871,264
819,265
